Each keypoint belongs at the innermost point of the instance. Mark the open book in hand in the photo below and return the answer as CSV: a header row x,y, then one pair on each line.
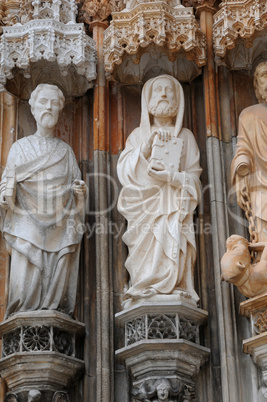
x,y
166,155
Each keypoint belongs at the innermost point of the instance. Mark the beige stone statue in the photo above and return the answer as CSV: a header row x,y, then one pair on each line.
x,y
158,203
249,175
42,201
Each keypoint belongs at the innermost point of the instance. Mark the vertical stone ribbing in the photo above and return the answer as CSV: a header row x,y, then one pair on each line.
x,y
224,299
104,295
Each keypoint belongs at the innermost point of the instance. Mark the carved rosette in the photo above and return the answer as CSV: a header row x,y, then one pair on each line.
x,y
49,34
173,29
45,342
245,20
162,345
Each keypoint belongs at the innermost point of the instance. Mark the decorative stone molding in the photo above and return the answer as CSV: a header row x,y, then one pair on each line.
x,y
255,309
44,342
172,29
50,34
162,344
239,25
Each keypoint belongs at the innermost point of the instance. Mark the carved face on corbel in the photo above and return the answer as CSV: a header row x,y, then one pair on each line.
x,y
35,396
163,390
260,82
46,104
163,102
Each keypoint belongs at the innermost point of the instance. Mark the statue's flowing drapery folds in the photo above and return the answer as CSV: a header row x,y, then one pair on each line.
x,y
251,151
160,234
40,229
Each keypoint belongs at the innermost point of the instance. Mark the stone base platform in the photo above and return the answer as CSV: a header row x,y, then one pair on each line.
x,y
162,347
41,351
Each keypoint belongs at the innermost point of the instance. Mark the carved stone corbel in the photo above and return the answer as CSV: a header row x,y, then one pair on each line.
x,y
45,344
162,349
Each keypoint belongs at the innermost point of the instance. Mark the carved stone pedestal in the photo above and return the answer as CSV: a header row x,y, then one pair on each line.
x,y
162,348
41,352
256,309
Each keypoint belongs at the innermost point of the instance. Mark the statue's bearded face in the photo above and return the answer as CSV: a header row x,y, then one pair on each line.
x,y
163,102
262,81
46,108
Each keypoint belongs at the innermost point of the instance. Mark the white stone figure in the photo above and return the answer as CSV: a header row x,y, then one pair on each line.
x,y
159,204
43,199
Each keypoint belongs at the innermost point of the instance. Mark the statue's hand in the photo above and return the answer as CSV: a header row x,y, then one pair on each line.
x,y
147,145
3,203
161,175
80,187
164,135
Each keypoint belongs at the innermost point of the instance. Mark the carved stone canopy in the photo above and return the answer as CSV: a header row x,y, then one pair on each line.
x,y
239,33
173,31
47,33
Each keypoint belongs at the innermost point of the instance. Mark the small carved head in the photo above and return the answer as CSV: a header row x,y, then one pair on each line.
x,y
35,396
163,389
260,82
163,98
11,397
236,260
46,102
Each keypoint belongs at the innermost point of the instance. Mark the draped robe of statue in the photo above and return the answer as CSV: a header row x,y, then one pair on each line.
x,y
160,235
251,151
40,231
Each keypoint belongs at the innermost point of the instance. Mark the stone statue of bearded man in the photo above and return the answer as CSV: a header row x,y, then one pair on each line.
x,y
159,171
42,200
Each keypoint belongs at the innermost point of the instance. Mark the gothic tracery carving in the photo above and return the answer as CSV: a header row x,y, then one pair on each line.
x,y
158,23
238,19
161,326
47,31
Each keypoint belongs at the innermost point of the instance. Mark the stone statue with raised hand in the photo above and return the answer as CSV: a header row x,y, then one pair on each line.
x,y
42,199
161,190
249,175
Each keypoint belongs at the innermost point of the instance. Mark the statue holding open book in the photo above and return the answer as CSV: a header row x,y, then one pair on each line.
x,y
159,171
42,199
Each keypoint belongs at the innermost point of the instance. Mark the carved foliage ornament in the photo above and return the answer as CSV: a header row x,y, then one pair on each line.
x,y
174,28
99,10
238,19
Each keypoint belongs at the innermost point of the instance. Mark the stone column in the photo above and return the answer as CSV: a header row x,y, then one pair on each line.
x,y
8,133
95,15
224,297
